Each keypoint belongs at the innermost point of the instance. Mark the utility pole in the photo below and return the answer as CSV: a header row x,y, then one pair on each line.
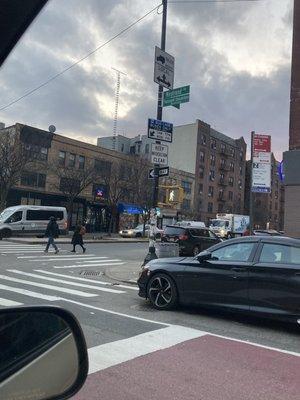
x,y
160,99
251,216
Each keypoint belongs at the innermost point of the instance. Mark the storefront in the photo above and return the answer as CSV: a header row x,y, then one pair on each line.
x,y
129,215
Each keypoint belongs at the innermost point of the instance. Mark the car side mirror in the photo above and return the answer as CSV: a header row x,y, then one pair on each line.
x,y
43,353
204,256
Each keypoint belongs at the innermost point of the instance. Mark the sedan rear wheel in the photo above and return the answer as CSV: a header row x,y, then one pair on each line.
x,y
162,292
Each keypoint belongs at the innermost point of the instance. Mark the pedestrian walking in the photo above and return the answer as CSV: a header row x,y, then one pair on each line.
x,y
52,232
77,238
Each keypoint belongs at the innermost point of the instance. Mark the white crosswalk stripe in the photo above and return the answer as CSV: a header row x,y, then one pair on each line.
x,y
65,281
70,256
83,279
9,303
88,265
29,293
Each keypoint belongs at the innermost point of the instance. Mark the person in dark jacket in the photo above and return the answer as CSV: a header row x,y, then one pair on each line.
x,y
52,232
77,238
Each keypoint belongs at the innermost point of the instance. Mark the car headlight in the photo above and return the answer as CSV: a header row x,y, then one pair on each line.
x,y
130,232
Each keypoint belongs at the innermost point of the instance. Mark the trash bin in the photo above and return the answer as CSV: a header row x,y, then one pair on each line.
x,y
164,250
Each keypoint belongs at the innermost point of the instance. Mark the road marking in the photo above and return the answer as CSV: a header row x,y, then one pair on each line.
x,y
43,285
15,271
293,353
84,279
99,261
69,256
62,258
115,312
9,303
29,293
113,353
88,265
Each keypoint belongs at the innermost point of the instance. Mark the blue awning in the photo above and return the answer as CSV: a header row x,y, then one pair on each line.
x,y
129,209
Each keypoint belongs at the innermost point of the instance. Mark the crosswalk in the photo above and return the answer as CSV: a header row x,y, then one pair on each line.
x,y
31,275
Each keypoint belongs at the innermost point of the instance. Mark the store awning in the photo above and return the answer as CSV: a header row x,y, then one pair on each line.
x,y
125,208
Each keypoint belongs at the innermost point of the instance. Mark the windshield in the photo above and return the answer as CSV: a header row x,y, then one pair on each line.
x,y
219,223
5,214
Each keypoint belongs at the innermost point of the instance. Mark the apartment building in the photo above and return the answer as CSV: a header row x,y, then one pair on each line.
x,y
218,163
268,208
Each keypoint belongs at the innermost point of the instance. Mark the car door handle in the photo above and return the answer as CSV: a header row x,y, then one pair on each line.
x,y
238,269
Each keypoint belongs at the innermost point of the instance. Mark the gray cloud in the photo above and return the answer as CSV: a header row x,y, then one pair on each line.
x,y
233,101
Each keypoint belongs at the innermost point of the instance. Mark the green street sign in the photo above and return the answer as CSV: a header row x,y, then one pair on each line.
x,y
176,96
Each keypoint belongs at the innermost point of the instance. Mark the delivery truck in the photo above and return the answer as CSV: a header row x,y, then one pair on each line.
x,y
229,225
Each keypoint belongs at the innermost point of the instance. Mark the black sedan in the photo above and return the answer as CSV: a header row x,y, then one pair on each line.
x,y
256,274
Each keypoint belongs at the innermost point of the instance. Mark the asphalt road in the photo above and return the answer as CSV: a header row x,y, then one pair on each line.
x,y
123,330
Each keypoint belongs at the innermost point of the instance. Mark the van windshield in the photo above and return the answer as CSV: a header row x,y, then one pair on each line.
x,y
5,214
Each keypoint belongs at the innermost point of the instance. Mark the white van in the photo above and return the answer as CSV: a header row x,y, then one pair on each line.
x,y
31,220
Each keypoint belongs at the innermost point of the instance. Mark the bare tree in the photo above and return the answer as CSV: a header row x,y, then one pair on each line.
x,y
71,181
15,157
142,187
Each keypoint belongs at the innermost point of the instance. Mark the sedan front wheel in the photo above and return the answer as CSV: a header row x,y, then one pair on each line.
x,y
162,292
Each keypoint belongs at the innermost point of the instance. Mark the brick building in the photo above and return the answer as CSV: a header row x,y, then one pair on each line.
x,y
218,162
268,208
41,184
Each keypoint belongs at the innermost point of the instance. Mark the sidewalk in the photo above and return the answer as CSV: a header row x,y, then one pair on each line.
x,y
88,238
127,273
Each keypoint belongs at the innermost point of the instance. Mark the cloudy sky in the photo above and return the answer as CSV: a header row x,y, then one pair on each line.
x,y
235,56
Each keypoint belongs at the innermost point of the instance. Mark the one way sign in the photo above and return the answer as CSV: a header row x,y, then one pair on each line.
x,y
163,68
163,171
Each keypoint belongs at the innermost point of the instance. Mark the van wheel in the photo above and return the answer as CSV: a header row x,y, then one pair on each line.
x,y
138,235
6,233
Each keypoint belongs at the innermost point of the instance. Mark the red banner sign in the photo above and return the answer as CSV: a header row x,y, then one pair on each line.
x,y
261,143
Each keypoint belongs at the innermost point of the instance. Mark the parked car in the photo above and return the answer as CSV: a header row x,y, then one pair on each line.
x,y
31,220
191,240
268,232
253,274
137,232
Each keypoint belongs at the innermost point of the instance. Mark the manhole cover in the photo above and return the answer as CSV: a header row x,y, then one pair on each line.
x,y
91,273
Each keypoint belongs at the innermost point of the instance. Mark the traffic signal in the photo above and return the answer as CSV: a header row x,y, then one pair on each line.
x,y
174,194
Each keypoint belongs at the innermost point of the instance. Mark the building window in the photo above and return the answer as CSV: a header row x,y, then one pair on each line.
x,y
81,162
37,152
211,191
231,166
33,179
139,148
122,147
241,155
230,181
222,177
223,163
62,158
276,195
230,196
241,170
44,154
211,175
213,144
240,184
186,204
72,158
220,207
223,148
201,188
102,167
232,152
203,140
132,150
147,148
201,172
212,160
210,207
69,185
202,156
221,194
187,187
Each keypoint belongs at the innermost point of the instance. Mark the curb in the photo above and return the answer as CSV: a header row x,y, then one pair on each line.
x,y
108,275
88,241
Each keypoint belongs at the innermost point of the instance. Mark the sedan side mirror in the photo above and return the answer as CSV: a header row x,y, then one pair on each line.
x,y
204,256
43,353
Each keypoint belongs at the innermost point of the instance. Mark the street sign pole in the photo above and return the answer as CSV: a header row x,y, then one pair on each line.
x,y
160,99
153,220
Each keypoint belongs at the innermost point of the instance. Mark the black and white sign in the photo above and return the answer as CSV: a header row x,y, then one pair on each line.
x,y
164,68
163,171
160,130
159,154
